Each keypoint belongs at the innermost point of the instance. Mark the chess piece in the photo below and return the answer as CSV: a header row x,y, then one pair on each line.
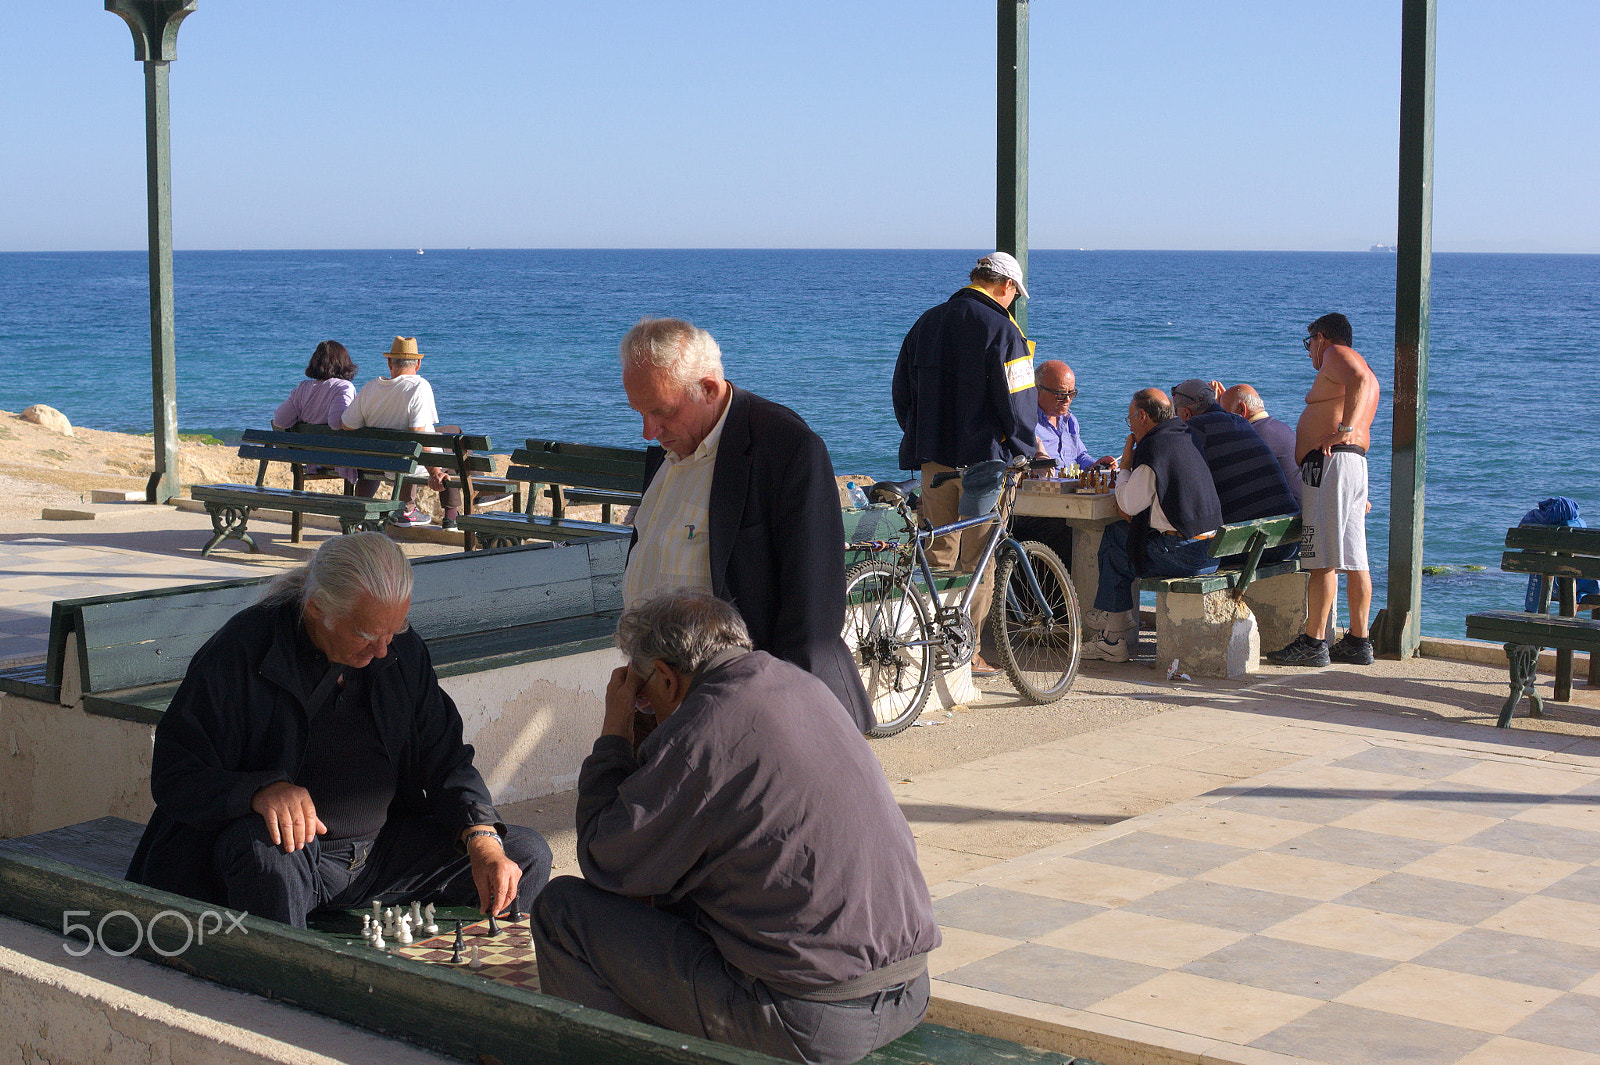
x,y
388,920
515,915
477,957
432,927
455,953
416,914
405,936
366,927
494,926
377,938
377,911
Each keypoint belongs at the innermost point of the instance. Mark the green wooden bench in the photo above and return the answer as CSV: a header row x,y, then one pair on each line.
x,y
571,474
1552,554
230,504
1200,632
462,456
80,868
123,655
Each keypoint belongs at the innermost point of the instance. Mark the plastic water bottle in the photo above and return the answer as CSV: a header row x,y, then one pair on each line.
x,y
858,498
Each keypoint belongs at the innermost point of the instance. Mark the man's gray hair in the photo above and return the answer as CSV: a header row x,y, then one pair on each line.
x,y
683,628
343,570
404,364
671,346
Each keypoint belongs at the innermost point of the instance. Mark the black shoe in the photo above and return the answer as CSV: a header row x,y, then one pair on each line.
x,y
1354,650
1304,651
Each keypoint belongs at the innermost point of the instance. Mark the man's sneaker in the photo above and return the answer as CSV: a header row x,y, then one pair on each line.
x,y
1304,651
1354,650
412,516
1102,651
448,523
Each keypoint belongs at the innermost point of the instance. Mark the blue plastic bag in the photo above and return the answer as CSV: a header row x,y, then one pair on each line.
x,y
1563,512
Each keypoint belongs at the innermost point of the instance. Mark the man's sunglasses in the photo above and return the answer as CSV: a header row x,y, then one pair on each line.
x,y
1067,394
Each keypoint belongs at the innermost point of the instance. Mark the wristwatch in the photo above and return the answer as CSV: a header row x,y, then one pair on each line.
x,y
1346,429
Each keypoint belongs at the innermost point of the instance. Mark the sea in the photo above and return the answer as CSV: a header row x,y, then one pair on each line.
x,y
523,343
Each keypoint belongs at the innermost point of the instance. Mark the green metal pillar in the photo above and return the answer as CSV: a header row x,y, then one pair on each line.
x,y
1398,629
1011,167
155,36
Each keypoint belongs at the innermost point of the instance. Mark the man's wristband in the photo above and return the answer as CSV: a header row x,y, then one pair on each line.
x,y
1345,429
482,832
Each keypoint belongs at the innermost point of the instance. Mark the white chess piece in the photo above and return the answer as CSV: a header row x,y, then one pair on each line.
x,y
377,938
390,926
366,927
416,914
377,911
432,927
405,937
477,957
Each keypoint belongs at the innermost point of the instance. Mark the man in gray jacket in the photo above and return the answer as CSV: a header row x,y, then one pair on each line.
x,y
747,876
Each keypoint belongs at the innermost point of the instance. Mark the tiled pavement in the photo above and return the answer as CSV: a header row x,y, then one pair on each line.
x,y
1389,900
36,571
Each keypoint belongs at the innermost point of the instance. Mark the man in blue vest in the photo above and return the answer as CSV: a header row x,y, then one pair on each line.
x,y
1169,505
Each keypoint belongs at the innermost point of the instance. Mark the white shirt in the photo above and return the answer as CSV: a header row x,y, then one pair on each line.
x,y
392,403
1136,490
673,522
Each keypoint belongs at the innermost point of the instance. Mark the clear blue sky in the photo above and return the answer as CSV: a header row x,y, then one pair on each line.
x,y
1234,124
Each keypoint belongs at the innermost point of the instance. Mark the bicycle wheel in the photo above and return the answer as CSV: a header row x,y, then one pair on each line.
x,y
1036,638
886,629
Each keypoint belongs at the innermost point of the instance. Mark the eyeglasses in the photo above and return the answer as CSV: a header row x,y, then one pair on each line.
x,y
1068,394
1305,342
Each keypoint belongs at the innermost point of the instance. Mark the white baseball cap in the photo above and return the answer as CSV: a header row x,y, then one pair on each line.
x,y
1007,266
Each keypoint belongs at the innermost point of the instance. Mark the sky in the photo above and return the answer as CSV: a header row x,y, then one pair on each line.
x,y
1161,124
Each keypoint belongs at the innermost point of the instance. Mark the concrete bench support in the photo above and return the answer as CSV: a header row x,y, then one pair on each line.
x,y
1208,633
1279,604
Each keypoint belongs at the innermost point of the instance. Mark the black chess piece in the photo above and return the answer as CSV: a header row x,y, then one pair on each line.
x,y
494,926
455,952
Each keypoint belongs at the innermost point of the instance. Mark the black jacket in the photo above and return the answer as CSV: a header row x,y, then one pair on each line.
x,y
239,722
963,385
777,542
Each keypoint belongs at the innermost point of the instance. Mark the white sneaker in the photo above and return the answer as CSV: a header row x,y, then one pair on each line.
x,y
1105,651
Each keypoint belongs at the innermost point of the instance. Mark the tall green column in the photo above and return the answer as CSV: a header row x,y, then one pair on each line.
x,y
1398,628
1011,164
155,36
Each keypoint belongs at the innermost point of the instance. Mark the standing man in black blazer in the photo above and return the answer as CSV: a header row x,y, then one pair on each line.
x,y
740,500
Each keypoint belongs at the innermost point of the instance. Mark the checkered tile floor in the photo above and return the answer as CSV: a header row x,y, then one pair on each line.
x,y
37,571
1386,903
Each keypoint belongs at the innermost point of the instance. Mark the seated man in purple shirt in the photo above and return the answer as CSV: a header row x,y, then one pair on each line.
x,y
1057,431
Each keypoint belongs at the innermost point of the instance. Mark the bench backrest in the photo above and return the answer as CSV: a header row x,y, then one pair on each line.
x,y
337,449
447,448
1244,537
567,465
139,638
1552,551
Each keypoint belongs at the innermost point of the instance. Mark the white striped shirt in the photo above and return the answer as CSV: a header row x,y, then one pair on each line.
x,y
674,548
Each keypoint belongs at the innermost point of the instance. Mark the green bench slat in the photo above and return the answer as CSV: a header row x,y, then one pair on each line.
x,y
1222,580
1553,538
1575,566
1544,630
1235,539
538,527
338,506
622,481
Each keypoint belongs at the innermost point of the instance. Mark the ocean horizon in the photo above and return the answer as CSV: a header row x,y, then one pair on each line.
x,y
522,342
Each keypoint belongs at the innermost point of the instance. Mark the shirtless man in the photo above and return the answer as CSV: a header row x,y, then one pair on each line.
x,y
1331,442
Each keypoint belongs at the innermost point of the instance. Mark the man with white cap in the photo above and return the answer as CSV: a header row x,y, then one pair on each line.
x,y
964,393
403,401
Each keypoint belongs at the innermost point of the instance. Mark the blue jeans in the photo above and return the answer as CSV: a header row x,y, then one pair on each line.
x,y
1164,556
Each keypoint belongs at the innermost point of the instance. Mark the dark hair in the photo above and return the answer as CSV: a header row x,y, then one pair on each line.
x,y
981,274
1335,326
331,359
1153,402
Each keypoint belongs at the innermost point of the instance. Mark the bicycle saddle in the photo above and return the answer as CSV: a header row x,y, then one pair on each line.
x,y
892,492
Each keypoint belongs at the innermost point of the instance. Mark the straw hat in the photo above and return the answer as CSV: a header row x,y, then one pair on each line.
x,y
403,348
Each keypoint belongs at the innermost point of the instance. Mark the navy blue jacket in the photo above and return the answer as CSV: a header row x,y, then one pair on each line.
x,y
963,385
1250,483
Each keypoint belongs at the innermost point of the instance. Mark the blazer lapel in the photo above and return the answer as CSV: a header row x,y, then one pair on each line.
x,y
730,484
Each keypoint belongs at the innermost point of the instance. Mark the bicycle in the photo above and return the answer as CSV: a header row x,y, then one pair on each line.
x,y
899,643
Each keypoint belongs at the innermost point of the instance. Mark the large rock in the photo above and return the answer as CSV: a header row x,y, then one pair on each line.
x,y
48,418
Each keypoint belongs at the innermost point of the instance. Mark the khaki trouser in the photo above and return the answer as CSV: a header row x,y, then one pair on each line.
x,y
956,551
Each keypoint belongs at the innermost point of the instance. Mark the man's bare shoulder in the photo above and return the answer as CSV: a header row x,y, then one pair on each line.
x,y
1346,363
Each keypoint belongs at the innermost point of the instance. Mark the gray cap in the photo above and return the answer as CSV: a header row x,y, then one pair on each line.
x,y
1194,394
1006,266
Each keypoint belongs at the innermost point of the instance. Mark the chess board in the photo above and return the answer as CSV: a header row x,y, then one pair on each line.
x,y
507,957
